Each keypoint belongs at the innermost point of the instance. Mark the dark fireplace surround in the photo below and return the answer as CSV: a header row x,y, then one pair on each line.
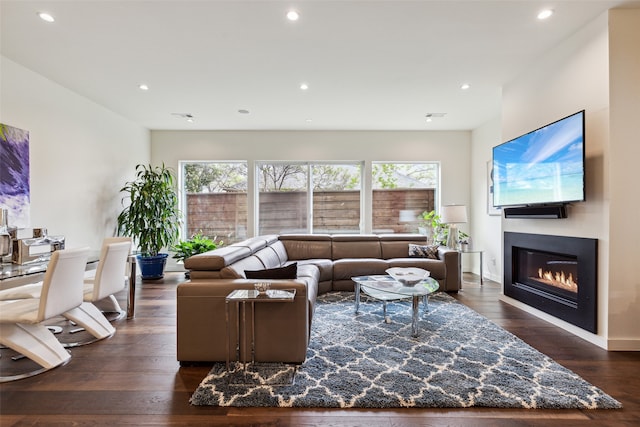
x,y
573,300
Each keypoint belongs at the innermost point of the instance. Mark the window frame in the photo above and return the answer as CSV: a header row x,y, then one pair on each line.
x,y
309,187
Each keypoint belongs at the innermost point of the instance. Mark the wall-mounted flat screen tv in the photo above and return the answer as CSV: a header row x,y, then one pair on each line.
x,y
544,166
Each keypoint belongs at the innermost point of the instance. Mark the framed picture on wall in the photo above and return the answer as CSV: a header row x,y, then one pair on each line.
x,y
491,210
15,187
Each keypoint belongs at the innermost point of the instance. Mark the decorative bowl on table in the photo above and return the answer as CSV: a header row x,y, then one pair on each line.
x,y
408,276
262,287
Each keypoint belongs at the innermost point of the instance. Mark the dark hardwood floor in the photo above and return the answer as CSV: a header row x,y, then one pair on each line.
x,y
133,379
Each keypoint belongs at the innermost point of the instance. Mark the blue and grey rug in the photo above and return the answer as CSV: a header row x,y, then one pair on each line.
x,y
460,359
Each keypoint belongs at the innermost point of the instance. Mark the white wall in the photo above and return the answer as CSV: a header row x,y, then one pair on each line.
x,y
572,77
81,154
487,229
624,152
452,149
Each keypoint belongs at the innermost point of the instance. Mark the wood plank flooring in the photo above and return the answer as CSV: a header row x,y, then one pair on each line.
x,y
133,379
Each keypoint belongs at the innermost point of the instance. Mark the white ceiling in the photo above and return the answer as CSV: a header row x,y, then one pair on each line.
x,y
370,65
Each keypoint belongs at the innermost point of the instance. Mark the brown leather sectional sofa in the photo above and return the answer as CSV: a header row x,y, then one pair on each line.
x,y
324,263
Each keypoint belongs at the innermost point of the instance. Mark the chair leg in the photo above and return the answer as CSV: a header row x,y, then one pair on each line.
x,y
35,342
91,319
55,329
110,305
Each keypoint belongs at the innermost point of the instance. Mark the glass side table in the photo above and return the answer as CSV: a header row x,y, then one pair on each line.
x,y
473,251
251,296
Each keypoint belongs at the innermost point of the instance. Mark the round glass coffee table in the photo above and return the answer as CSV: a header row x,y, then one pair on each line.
x,y
386,288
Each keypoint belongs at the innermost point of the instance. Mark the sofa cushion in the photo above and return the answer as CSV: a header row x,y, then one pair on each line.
x,y
308,270
346,268
324,265
254,243
269,257
395,245
423,251
288,272
216,259
236,270
306,246
356,246
280,251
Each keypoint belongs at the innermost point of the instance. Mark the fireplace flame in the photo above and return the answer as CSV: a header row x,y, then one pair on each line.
x,y
558,279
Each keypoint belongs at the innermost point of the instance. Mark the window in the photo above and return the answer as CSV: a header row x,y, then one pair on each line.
x,y
303,197
282,198
401,192
215,201
293,196
336,198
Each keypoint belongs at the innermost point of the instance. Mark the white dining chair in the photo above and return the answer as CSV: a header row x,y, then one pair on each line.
x,y
21,321
109,278
99,291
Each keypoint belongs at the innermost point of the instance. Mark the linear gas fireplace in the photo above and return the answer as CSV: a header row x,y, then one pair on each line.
x,y
555,274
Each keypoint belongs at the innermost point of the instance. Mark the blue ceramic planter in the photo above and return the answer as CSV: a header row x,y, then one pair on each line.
x,y
152,267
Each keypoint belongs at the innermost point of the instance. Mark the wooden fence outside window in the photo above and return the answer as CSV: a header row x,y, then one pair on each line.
x,y
225,214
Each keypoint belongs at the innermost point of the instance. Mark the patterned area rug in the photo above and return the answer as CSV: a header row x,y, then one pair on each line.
x,y
460,359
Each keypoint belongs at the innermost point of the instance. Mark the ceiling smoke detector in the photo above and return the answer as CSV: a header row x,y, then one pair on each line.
x,y
431,116
187,116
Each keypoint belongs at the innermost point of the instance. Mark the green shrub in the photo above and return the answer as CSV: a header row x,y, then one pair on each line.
x,y
197,244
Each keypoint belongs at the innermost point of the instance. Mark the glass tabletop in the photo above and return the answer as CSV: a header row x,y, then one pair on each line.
x,y
388,285
11,271
272,295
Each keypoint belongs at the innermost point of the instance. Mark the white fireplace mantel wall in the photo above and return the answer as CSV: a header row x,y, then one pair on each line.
x,y
597,70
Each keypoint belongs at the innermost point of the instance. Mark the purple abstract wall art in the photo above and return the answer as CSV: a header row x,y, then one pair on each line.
x,y
14,174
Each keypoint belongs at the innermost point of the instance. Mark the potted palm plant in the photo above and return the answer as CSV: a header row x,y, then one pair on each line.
x,y
151,218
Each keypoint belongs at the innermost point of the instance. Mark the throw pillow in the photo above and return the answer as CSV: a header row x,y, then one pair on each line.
x,y
288,272
423,251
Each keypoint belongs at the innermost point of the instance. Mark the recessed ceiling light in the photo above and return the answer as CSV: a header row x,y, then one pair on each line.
x,y
465,86
544,14
308,120
46,16
143,87
243,111
292,15
304,86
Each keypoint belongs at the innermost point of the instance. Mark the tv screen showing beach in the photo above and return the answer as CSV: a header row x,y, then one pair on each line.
x,y
541,167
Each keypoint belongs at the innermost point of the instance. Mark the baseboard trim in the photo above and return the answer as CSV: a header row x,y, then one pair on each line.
x,y
623,345
585,335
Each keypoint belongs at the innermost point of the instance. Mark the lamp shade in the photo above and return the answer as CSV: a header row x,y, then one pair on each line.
x,y
453,214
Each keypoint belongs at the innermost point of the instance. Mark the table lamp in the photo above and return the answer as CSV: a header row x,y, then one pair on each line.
x,y
453,215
